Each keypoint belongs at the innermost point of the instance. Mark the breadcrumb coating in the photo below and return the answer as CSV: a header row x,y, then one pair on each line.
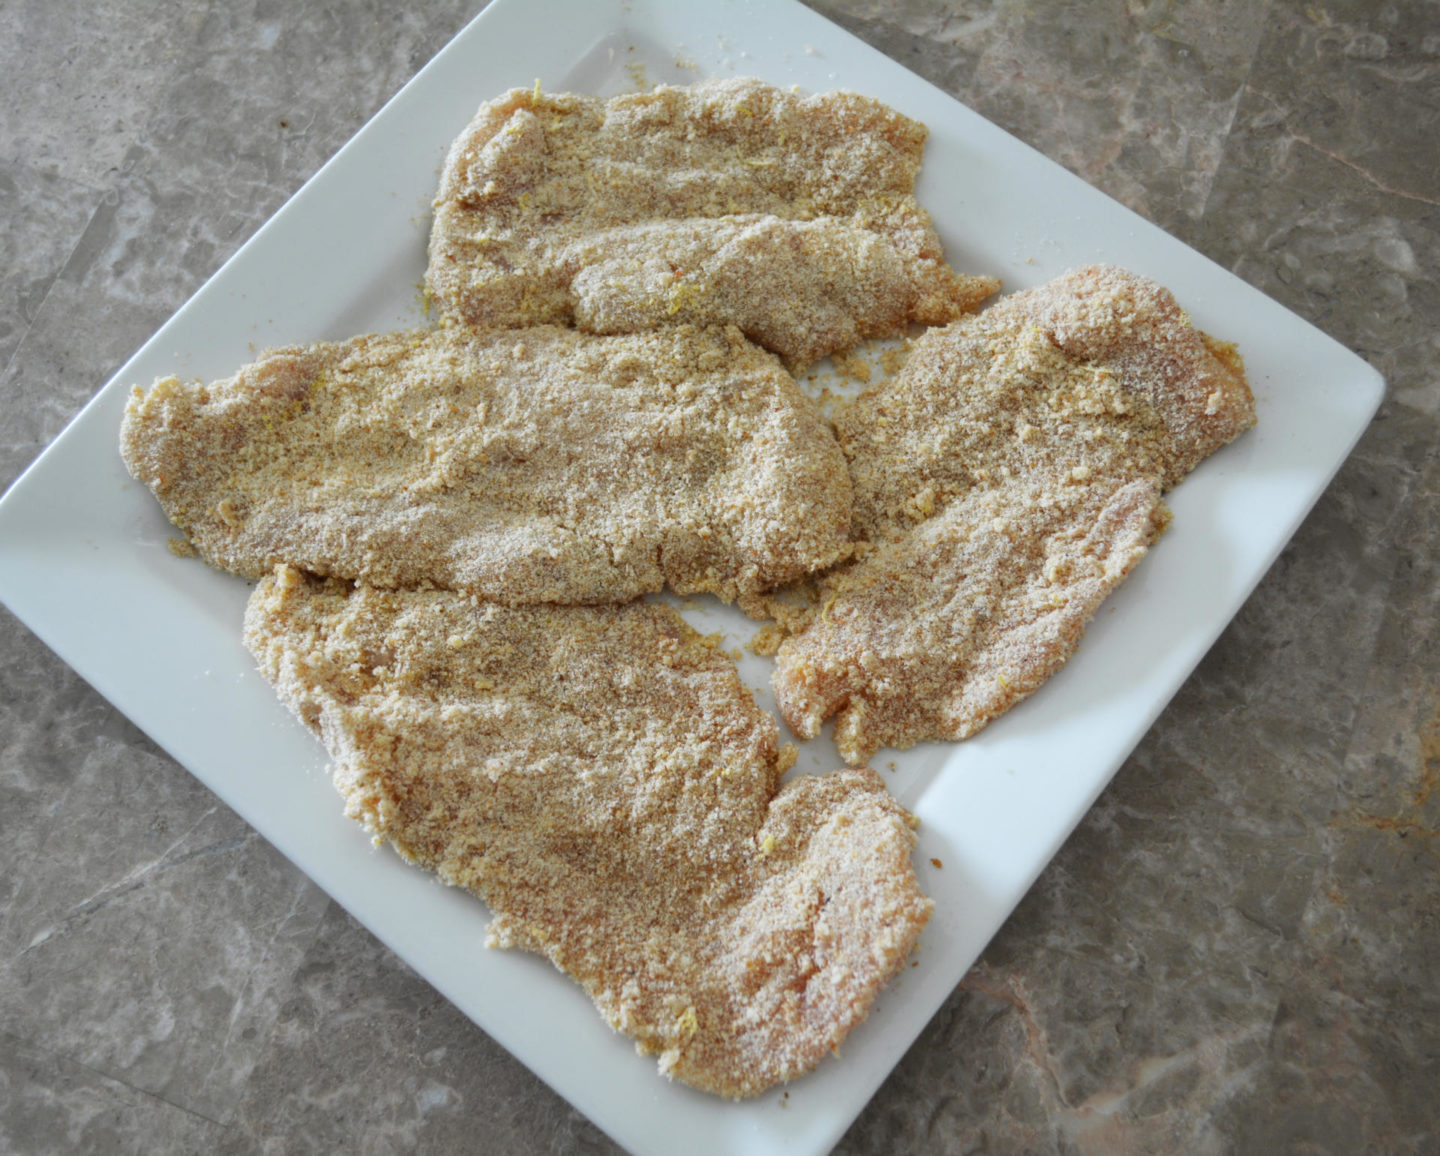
x,y
940,630
600,777
730,201
541,465
1005,482
1098,371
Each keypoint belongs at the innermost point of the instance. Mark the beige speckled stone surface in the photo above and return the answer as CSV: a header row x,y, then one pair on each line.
x,y
1239,948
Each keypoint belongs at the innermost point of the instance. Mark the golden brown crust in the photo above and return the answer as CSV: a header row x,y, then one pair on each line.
x,y
730,201
602,779
1005,481
529,466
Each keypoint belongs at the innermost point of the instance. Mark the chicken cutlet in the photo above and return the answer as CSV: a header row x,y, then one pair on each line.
x,y
730,201
940,630
601,778
1006,480
1098,372
540,465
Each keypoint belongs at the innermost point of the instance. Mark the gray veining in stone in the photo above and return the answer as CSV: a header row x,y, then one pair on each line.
x,y
1239,948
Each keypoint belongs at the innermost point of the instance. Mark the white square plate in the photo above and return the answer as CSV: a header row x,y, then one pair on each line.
x,y
83,556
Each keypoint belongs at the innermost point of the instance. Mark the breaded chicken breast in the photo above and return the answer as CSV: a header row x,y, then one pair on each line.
x,y
600,777
539,465
731,201
1006,480
940,630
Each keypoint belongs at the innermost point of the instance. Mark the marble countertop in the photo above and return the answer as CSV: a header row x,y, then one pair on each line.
x,y
1239,948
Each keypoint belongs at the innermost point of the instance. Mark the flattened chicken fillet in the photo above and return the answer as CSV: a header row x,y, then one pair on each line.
x,y
532,466
602,779
731,201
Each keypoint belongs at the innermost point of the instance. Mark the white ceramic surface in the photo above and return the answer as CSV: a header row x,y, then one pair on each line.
x,y
83,557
